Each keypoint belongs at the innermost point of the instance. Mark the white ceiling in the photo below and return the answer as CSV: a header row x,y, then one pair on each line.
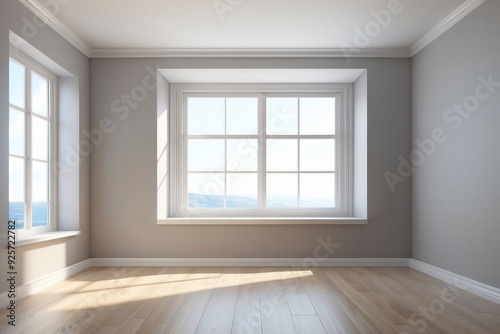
x,y
253,24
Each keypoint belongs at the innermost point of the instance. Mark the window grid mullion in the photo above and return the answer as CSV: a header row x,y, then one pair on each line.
x,y
298,153
183,192
52,189
301,137
47,119
13,106
222,137
262,152
225,153
29,153
221,172
18,156
302,172
41,160
339,151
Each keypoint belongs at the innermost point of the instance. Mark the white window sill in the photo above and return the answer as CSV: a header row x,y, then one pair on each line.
x,y
42,237
264,221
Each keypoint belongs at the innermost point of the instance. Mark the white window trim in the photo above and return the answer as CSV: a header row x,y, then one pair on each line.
x,y
33,66
178,161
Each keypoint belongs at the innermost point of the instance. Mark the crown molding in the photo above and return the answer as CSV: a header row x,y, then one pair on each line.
x,y
465,9
52,21
251,53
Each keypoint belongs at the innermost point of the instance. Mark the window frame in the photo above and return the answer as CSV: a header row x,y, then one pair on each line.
x,y
177,166
32,66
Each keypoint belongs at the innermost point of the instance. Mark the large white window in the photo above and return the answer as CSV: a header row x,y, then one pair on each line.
x,y
260,151
32,137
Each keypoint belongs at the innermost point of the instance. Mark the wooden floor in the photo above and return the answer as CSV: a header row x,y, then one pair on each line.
x,y
253,300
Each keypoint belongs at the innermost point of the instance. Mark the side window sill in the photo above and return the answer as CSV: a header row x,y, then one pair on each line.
x,y
42,237
264,221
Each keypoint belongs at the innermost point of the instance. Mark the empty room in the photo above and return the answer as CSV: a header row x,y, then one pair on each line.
x,y
237,166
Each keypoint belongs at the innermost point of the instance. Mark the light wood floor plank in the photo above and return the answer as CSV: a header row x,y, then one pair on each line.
x,y
219,313
276,316
299,302
159,284
360,320
247,315
192,307
169,300
330,311
356,293
308,324
100,330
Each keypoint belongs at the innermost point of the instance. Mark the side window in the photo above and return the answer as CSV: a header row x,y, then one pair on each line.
x,y
32,138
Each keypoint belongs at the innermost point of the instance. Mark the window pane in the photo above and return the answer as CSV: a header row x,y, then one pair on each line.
x,y
282,116
40,182
317,190
16,179
282,155
206,116
206,155
17,84
40,214
242,190
242,155
317,116
16,132
206,190
242,116
40,139
16,212
281,190
317,155
39,95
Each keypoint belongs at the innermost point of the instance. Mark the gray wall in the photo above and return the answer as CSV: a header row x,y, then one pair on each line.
x,y
456,192
123,169
35,261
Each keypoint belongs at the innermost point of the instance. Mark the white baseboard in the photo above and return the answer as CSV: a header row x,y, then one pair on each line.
x,y
480,289
30,288
248,262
